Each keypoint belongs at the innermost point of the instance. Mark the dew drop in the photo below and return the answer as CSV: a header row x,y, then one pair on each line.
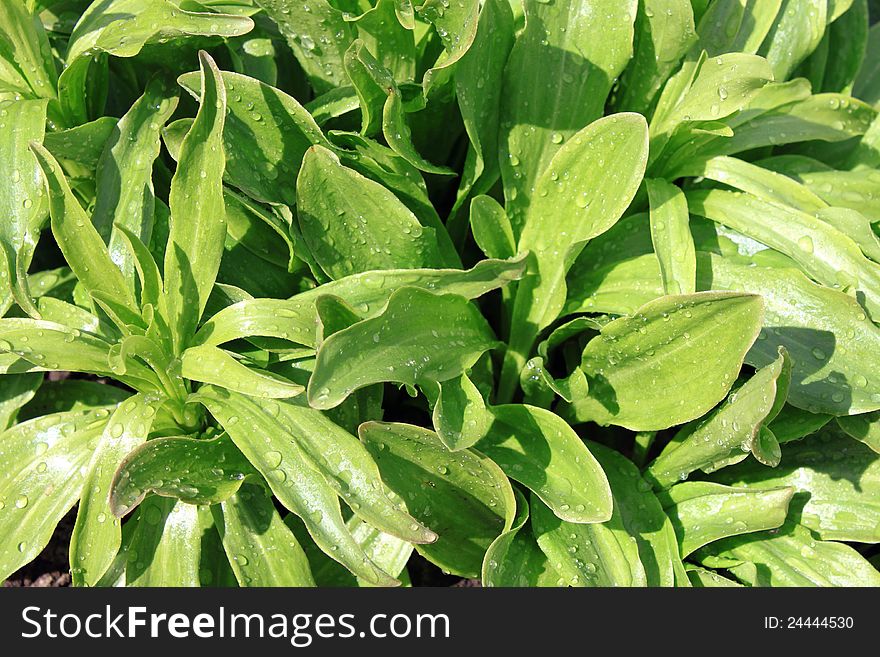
x,y
805,244
273,459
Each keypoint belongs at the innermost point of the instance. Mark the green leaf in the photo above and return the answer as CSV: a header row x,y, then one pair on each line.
x,y
191,470
798,29
599,554
568,210
149,277
164,548
664,32
419,337
317,33
26,65
793,423
255,56
791,557
261,548
826,333
352,224
55,347
391,42
266,135
822,251
702,578
258,230
333,104
371,83
491,228
835,480
857,226
460,415
296,318
618,272
456,25
643,517
704,512
758,181
383,165
348,468
79,241
478,90
334,315
855,190
125,197
71,395
214,567
299,486
731,431
864,428
708,89
379,95
867,82
83,144
212,365
836,8
16,390
57,283
122,28
198,226
389,553
671,235
74,317
46,463
463,496
672,345
558,76
514,558
846,37
96,535
737,25
823,117
22,205
538,449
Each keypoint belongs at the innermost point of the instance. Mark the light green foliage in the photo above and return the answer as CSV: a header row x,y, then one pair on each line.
x,y
544,292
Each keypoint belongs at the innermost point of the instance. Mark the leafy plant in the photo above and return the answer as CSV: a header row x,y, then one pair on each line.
x,y
563,293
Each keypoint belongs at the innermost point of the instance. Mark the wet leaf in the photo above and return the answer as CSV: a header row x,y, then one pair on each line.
x,y
96,535
419,337
164,547
731,431
296,319
835,482
260,547
195,242
704,512
265,135
50,456
514,558
538,449
463,496
352,224
673,345
189,469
